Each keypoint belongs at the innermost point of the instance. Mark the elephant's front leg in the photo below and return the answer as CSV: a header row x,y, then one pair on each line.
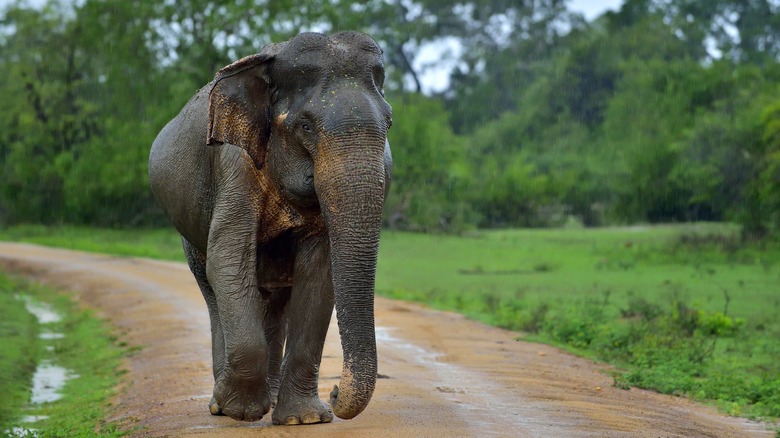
x,y
197,264
308,316
241,390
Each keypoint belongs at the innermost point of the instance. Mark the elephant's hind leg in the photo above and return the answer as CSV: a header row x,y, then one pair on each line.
x,y
308,317
197,263
275,328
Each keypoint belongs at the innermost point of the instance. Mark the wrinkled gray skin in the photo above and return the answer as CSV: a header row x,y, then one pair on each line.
x,y
275,175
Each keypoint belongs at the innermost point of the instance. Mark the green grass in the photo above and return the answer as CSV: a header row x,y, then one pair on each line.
x,y
686,310
682,309
559,265
88,349
154,243
20,352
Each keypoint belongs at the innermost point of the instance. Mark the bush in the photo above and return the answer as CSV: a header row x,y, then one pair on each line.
x,y
671,348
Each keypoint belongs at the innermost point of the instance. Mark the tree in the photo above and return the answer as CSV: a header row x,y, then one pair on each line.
x,y
430,176
744,31
504,45
663,110
47,119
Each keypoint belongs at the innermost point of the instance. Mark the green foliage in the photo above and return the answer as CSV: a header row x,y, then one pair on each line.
x,y
763,213
611,129
428,168
685,351
75,144
546,119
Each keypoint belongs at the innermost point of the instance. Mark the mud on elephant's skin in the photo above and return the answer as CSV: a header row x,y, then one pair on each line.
x,y
275,175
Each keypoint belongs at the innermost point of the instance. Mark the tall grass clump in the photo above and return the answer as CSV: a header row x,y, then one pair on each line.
x,y
671,347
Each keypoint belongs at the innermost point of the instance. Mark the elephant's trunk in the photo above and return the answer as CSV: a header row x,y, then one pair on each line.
x,y
350,180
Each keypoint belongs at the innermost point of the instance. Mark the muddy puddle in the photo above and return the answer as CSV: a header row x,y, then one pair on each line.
x,y
49,378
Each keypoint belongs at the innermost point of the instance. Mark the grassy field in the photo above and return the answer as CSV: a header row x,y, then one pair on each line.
x,y
698,264
87,349
683,309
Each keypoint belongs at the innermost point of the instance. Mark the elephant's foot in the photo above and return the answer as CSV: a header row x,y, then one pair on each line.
x,y
301,410
243,402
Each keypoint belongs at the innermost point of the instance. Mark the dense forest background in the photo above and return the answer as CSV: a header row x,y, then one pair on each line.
x,y
665,111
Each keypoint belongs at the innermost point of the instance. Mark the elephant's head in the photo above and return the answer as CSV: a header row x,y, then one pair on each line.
x,y
311,113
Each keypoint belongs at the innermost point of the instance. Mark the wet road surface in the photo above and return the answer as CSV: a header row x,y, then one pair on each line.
x,y
441,375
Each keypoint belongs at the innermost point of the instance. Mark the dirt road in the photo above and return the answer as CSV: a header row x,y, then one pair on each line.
x,y
442,375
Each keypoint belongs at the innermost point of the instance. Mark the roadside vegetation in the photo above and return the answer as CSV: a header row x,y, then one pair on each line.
x,y
681,309
685,310
19,332
151,243
87,349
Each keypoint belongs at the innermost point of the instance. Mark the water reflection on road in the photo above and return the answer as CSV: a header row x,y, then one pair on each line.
x,y
49,378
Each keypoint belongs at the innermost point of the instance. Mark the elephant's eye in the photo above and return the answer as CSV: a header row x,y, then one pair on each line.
x,y
305,127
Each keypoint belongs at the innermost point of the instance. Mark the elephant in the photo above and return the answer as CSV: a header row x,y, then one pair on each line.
x,y
275,175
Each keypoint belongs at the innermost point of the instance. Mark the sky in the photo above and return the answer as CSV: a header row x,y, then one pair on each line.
x,y
593,8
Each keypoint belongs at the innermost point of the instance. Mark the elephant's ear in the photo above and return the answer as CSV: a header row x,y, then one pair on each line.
x,y
239,105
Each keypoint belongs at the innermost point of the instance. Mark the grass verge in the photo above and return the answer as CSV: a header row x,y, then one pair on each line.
x,y
20,352
87,349
154,243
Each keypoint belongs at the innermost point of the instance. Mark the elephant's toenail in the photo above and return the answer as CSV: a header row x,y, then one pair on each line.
x,y
214,408
310,418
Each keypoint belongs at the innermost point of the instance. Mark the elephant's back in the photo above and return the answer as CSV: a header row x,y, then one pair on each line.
x,y
185,133
180,170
